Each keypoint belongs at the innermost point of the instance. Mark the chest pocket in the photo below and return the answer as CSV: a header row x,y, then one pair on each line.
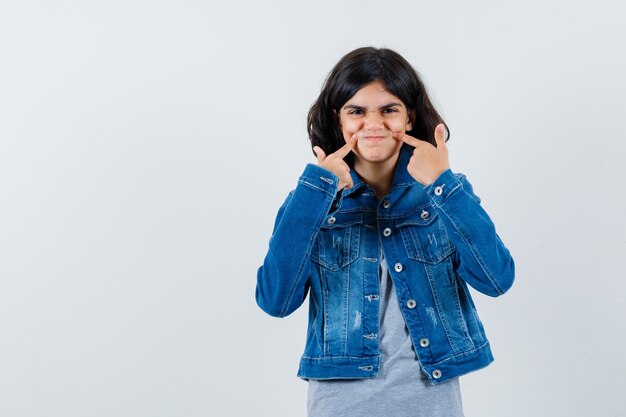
x,y
425,237
337,243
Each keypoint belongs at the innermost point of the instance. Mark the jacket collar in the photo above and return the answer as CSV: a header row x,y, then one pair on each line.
x,y
401,176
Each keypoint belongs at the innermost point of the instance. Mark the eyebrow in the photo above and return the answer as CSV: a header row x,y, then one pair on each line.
x,y
384,106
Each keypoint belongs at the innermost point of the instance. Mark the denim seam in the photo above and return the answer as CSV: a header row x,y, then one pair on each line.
x,y
421,222
408,242
306,257
355,210
346,293
471,305
364,317
461,354
339,357
444,322
325,335
473,250
459,311
311,185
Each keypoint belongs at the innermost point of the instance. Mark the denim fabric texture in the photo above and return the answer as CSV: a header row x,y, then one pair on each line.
x,y
437,239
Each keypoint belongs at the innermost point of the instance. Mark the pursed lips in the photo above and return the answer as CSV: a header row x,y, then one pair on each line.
x,y
374,138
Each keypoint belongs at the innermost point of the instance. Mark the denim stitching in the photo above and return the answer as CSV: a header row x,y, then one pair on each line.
x,y
459,311
438,306
474,252
472,249
296,282
346,294
325,331
327,358
458,355
314,187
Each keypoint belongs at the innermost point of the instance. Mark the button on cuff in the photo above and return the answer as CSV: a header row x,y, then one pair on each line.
x,y
443,186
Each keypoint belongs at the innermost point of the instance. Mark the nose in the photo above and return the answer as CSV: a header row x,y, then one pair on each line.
x,y
373,121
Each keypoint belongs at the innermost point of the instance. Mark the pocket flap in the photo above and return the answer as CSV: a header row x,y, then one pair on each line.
x,y
342,219
422,217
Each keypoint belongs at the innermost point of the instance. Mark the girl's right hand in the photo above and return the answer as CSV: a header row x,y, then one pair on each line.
x,y
335,163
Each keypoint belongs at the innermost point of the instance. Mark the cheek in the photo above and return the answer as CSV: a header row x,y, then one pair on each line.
x,y
396,124
350,127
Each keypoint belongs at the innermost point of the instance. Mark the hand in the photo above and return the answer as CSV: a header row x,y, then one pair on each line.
x,y
427,162
335,163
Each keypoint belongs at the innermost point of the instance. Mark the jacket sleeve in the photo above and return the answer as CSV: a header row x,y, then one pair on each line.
x,y
481,258
282,280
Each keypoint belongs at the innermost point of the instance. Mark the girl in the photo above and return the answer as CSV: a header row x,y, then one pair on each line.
x,y
384,238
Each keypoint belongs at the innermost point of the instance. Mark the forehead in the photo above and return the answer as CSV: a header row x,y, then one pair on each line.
x,y
373,94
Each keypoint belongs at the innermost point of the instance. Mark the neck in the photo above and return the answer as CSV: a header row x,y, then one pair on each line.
x,y
379,176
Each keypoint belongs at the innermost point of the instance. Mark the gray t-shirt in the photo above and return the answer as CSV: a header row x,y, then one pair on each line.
x,y
400,389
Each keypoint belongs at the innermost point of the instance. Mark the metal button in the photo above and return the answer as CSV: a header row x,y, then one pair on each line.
x,y
425,215
387,204
424,343
438,190
436,374
387,232
411,303
331,220
398,267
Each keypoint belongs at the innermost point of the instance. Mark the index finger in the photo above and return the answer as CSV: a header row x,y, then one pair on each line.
x,y
410,140
345,149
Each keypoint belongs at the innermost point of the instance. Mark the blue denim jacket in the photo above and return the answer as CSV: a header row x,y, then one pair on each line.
x,y
436,239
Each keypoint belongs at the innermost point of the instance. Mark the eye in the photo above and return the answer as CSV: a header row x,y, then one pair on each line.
x,y
390,110
355,112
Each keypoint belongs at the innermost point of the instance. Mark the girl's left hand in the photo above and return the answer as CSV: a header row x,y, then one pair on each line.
x,y
427,162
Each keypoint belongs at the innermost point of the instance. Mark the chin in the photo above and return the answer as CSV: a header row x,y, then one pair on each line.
x,y
374,157
377,154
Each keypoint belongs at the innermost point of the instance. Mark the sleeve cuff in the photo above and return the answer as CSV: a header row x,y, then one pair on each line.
x,y
319,178
445,184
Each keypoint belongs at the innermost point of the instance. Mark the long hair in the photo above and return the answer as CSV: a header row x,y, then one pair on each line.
x,y
353,72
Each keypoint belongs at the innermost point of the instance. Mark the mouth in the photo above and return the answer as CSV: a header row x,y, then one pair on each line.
x,y
373,138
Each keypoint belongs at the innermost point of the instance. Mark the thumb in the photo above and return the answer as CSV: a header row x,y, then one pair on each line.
x,y
321,155
440,135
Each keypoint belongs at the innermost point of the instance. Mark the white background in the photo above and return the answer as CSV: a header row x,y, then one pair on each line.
x,y
146,146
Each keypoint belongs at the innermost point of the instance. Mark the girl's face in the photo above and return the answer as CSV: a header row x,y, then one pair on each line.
x,y
373,114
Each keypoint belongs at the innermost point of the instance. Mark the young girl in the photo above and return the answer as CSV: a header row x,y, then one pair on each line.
x,y
384,238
